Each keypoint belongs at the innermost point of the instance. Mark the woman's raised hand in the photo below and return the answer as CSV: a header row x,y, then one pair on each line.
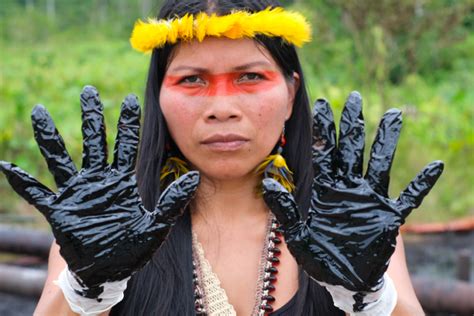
x,y
349,235
97,217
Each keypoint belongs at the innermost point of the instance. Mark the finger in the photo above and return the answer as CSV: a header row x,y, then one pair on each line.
x,y
93,130
324,141
280,202
351,138
413,195
383,150
25,185
52,146
176,197
128,133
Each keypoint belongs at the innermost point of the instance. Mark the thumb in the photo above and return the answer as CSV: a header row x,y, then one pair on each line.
x,y
176,197
414,194
281,203
26,186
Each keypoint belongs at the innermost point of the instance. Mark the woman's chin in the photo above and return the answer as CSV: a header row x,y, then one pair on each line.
x,y
228,174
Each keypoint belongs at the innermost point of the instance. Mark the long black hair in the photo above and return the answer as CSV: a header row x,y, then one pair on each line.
x,y
164,286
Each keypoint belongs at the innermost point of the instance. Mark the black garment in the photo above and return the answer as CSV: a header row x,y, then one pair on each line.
x,y
286,309
322,304
171,267
291,307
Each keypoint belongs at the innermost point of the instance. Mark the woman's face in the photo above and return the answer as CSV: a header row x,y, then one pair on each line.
x,y
225,102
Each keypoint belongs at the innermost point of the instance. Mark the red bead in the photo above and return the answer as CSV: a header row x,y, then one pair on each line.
x,y
270,278
268,298
276,240
273,270
274,260
283,140
267,308
270,288
275,251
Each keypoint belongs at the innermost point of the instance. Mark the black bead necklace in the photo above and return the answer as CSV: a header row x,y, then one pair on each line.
x,y
267,278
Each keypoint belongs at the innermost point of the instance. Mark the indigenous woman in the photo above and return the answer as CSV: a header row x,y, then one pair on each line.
x,y
243,202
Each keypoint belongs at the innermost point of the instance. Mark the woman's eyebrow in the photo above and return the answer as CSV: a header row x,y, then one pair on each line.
x,y
236,68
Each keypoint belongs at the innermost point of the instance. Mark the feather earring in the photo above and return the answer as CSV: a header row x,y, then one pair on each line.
x,y
173,169
274,166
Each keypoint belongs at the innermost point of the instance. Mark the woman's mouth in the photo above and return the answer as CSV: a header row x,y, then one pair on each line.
x,y
225,142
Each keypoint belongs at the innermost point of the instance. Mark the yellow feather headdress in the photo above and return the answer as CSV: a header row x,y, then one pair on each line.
x,y
273,22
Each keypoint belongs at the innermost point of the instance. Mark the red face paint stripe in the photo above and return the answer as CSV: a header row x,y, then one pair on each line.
x,y
223,84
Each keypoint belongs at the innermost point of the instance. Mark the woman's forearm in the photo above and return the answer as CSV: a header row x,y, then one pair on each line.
x,y
407,303
52,300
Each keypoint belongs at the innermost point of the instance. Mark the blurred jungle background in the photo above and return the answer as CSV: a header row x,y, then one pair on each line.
x,y
416,55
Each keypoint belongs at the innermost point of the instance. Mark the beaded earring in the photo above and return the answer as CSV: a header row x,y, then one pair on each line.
x,y
274,166
173,169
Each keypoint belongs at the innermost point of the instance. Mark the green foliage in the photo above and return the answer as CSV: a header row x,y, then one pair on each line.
x,y
388,50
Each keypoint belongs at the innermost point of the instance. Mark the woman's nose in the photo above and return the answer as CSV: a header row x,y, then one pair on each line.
x,y
221,109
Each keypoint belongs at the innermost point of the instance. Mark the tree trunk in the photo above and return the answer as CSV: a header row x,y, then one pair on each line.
x,y
51,9
30,5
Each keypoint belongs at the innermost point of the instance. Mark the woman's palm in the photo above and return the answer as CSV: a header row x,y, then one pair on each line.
x,y
97,217
349,234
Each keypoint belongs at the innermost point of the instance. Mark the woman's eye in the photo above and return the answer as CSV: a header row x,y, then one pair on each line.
x,y
251,76
192,80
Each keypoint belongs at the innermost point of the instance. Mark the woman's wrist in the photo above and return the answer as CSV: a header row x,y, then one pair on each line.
x,y
378,303
112,294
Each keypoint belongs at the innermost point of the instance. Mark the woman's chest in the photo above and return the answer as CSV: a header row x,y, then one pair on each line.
x,y
240,266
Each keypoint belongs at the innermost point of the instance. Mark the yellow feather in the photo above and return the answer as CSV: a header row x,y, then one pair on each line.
x,y
200,26
173,28
219,24
186,27
173,166
234,29
273,22
147,36
274,166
